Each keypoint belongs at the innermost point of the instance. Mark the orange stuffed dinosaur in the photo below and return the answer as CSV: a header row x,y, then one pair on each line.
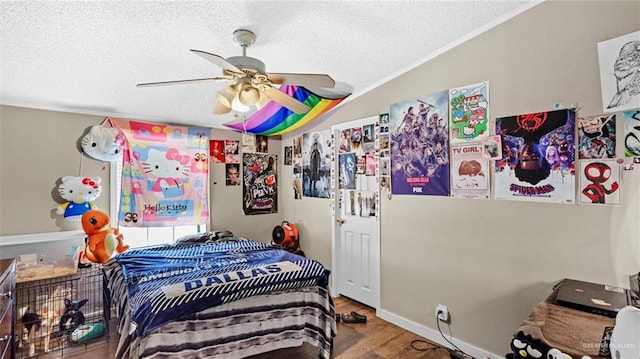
x,y
102,239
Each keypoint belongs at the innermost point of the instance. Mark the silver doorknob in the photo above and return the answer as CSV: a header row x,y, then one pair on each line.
x,y
340,221
4,339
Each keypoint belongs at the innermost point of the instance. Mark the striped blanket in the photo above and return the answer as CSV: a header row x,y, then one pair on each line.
x,y
166,283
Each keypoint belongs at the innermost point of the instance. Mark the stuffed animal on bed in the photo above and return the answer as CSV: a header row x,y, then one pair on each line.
x,y
79,192
625,339
103,143
525,347
102,239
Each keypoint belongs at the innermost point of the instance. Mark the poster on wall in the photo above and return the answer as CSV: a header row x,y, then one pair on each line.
x,y
469,112
420,146
347,170
260,190
297,167
469,172
165,174
361,203
596,137
620,72
232,171
345,141
599,182
288,155
262,144
631,133
248,142
527,171
216,151
232,151
315,163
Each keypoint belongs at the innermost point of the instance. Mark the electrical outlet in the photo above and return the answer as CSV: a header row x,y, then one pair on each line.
x,y
442,313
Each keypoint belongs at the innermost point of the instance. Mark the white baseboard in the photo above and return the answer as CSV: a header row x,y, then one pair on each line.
x,y
434,335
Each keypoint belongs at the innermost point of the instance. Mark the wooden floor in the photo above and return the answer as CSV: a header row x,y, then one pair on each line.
x,y
374,339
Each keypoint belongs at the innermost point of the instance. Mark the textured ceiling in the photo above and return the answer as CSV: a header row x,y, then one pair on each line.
x,y
87,57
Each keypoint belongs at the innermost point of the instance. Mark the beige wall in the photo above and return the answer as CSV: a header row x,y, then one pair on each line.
x,y
488,261
39,147
491,261
226,201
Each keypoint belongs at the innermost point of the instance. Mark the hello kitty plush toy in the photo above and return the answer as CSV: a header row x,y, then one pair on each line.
x,y
103,143
79,192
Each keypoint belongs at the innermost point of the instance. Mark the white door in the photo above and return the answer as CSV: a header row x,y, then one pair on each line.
x,y
356,213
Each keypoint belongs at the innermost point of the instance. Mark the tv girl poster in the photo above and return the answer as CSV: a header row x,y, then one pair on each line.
x,y
420,145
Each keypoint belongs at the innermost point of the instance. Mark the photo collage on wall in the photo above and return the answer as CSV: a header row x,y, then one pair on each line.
x,y
227,152
444,144
257,173
599,172
385,141
296,161
358,169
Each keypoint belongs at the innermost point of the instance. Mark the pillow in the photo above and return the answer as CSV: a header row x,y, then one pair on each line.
x,y
207,237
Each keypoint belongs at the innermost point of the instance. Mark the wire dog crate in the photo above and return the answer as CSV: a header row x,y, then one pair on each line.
x,y
56,313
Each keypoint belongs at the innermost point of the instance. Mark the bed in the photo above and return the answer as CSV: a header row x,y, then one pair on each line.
x,y
232,298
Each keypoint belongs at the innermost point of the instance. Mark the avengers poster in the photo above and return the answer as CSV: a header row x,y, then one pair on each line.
x,y
538,162
420,145
260,190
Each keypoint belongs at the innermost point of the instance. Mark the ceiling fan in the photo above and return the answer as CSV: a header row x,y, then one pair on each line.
x,y
252,85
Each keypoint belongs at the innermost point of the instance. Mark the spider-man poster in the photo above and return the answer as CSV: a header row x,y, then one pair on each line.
x,y
599,182
538,159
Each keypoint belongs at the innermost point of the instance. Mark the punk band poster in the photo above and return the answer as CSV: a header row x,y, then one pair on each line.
x,y
538,162
420,145
260,191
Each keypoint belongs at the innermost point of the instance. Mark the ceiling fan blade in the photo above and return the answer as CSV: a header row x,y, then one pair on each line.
x,y
312,80
218,60
286,100
162,83
221,109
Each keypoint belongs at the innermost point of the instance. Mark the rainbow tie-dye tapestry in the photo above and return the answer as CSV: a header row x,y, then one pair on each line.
x,y
275,119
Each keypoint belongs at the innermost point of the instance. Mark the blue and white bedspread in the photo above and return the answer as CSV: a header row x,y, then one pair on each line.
x,y
166,283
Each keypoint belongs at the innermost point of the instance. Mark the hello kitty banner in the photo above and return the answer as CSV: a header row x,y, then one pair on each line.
x,y
165,174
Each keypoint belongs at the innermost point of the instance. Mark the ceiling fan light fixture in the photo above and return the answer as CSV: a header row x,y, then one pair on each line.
x,y
226,96
263,101
248,95
221,109
238,106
